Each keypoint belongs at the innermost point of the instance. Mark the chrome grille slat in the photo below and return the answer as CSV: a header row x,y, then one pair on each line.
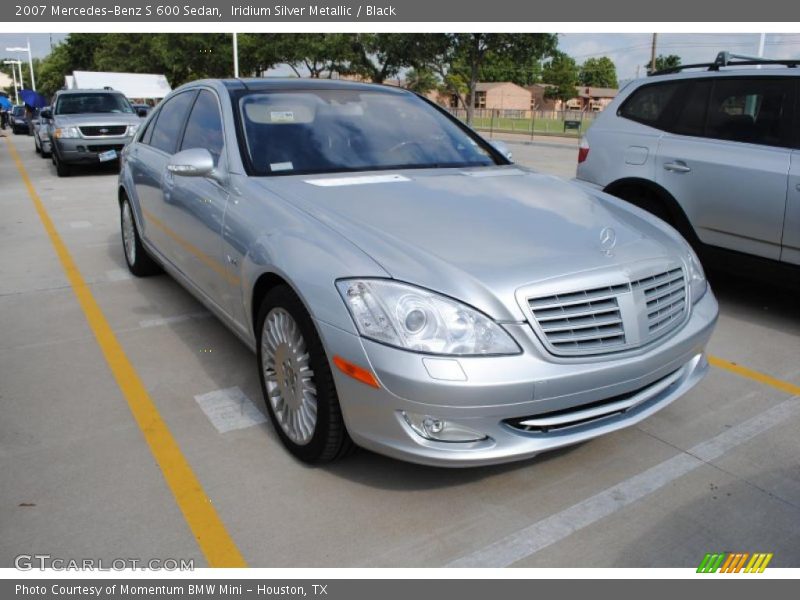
x,y
599,319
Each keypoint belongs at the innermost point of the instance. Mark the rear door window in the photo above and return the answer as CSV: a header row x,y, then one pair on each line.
x,y
752,110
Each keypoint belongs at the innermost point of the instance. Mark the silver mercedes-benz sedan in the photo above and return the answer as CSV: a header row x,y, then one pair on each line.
x,y
405,287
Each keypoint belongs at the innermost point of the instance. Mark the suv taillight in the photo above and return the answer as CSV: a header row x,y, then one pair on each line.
x,y
583,150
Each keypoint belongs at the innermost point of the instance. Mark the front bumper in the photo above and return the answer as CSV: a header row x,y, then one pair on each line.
x,y
87,150
491,395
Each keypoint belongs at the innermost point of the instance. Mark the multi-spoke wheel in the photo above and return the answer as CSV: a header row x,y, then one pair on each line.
x,y
296,380
139,262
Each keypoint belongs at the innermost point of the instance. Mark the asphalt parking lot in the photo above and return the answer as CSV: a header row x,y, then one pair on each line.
x,y
718,470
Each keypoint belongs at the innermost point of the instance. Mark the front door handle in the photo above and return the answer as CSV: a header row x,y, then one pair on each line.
x,y
797,187
677,167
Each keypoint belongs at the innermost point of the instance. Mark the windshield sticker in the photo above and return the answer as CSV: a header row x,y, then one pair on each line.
x,y
281,116
282,166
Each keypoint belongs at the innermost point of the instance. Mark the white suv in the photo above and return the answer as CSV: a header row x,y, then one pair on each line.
x,y
715,153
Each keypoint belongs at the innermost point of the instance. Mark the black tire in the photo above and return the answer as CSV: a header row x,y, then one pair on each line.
x,y
37,148
62,168
142,264
330,440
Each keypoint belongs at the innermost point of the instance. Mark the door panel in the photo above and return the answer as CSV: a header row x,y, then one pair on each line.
x,y
791,228
734,194
194,207
728,165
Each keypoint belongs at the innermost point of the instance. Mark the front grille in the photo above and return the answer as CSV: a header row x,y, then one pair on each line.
x,y
587,320
103,130
611,318
665,297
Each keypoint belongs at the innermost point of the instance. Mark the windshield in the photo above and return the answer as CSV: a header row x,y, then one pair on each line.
x,y
323,131
18,111
73,104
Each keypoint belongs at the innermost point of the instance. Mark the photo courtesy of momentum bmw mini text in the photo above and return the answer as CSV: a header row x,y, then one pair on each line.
x,y
398,300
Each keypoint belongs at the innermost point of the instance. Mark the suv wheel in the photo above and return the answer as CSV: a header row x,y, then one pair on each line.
x,y
297,382
62,169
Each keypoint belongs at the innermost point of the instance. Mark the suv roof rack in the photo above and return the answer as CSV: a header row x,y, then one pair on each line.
x,y
724,60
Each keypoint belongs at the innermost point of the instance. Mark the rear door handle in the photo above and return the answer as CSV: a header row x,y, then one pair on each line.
x,y
677,167
797,187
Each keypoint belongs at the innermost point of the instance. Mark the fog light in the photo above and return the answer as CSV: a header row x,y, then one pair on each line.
x,y
440,430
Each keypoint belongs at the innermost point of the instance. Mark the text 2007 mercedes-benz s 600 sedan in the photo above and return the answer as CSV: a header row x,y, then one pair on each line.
x,y
405,287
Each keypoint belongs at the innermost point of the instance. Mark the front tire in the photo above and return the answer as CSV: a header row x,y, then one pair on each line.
x,y
139,261
62,168
296,380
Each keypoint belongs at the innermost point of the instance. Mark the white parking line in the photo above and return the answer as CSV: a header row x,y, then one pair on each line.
x,y
159,321
548,531
230,409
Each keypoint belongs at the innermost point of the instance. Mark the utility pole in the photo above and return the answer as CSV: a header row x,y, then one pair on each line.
x,y
236,56
653,54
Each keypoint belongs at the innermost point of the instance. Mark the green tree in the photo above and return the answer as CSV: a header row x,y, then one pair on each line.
x,y
598,72
381,56
669,61
460,60
320,54
421,80
562,74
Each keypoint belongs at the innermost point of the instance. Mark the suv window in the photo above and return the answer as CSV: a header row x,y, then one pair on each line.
x,y
756,111
204,127
687,112
647,104
169,122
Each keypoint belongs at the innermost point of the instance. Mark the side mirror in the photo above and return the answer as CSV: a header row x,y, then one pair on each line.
x,y
195,162
503,149
46,114
142,112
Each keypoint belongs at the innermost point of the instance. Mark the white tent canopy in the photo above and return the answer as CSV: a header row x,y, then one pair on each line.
x,y
133,85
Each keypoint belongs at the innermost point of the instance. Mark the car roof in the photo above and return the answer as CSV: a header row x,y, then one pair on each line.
x,y
87,91
294,83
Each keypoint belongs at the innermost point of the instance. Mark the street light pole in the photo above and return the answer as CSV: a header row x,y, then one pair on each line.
x,y
14,75
30,61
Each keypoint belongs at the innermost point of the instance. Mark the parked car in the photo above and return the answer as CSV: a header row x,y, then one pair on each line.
x,y
18,119
89,127
41,133
404,286
715,153
142,109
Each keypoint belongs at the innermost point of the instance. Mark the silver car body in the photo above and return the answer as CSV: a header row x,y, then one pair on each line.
x,y
735,195
495,238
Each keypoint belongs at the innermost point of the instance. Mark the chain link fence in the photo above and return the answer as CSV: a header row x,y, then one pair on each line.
x,y
533,122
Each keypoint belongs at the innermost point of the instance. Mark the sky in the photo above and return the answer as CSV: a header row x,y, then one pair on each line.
x,y
627,50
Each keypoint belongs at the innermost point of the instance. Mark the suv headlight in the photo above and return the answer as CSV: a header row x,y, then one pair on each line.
x,y
413,318
697,277
132,129
67,132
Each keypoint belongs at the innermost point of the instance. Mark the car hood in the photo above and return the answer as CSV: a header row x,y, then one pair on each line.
x,y
477,234
97,119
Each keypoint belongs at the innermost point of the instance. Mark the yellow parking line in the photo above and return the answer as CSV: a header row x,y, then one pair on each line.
x,y
779,384
213,538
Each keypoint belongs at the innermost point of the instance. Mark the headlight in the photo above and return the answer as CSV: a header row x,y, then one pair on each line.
x,y
132,129
697,277
67,132
412,318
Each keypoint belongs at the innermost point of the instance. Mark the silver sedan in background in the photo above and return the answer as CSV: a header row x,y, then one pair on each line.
x,y
404,286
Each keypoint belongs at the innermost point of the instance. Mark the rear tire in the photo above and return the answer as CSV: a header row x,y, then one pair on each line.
x,y
139,261
296,380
